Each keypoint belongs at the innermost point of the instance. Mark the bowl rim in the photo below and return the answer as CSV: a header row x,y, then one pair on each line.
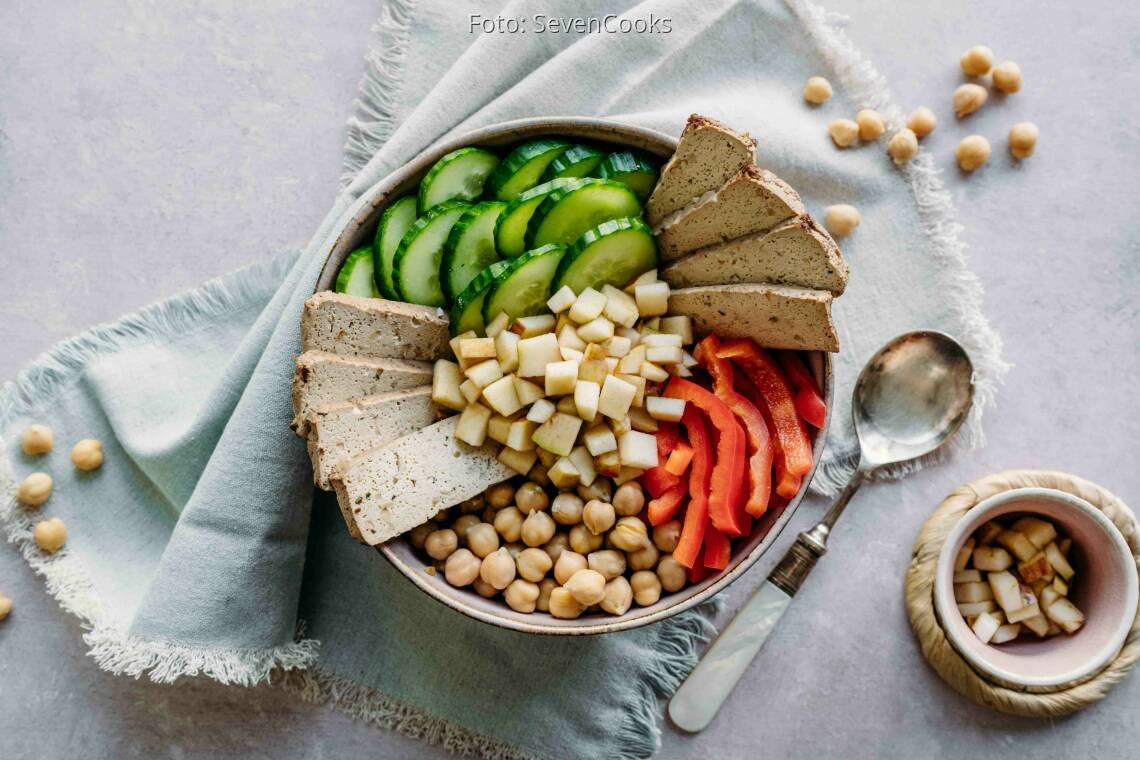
x,y
944,574
369,206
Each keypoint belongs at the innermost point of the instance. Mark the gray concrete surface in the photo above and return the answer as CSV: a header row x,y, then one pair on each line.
x,y
146,147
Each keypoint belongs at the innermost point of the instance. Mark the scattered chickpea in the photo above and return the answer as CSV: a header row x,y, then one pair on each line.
x,y
973,152
601,489
522,596
545,586
1007,77
441,544
587,587
566,509
646,587
555,546
461,525
508,522
499,495
50,535
644,558
568,564
817,90
482,539
531,498
563,605
1023,139
629,499
666,535
538,528
483,589
608,562
969,98
903,146
462,568
921,121
34,490
583,541
844,132
5,606
618,596
533,564
871,126
841,219
977,61
36,440
498,569
598,516
671,574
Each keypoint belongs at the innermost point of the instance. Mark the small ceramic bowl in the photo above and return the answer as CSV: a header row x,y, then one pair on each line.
x,y
1105,588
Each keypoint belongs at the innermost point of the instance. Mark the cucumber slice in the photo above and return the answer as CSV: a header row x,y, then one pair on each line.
x,y
356,275
634,170
575,161
467,310
470,247
398,218
522,288
510,230
569,211
521,170
415,270
460,175
612,253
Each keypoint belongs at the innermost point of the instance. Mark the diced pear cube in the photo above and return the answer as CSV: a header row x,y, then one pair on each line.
x,y
537,473
1006,589
616,397
1020,546
651,325
687,361
1037,568
633,335
566,405
642,279
1057,560
970,609
963,557
529,327
664,354
668,409
519,437
445,382
558,434
498,428
563,474
1054,629
653,373
527,391
642,421
485,372
620,425
992,558
584,464
454,343
630,364
973,592
600,440
682,326
661,340
988,532
470,391
595,352
620,308
680,370
1005,633
593,370
562,300
627,474
1065,614
608,464
502,396
985,626
638,382
586,394
968,576
597,330
519,461
546,458
618,346
537,352
474,349
1038,623
1039,532
572,355
1047,597
501,321
472,425
507,350
561,376
587,306
652,299
638,450
611,364
540,412
1060,586
1023,614
568,337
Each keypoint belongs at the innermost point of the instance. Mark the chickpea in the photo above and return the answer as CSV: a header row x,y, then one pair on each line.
x,y
34,490
461,525
538,475
972,152
583,541
587,587
545,586
482,539
969,98
1007,77
629,499
977,61
903,146
568,564
531,498
646,587
671,574
499,495
562,604
841,219
488,514
817,90
618,596
50,535
630,534
1023,139
533,564
921,121
473,505
443,515
5,606
508,522
567,508
844,132
666,535
522,596
598,516
871,126
538,528
608,562
498,569
418,535
514,548
441,544
643,559
36,440
462,568
556,545
484,589
601,489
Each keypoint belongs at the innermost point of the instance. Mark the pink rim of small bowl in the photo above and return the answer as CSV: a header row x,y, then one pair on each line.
x,y
1105,588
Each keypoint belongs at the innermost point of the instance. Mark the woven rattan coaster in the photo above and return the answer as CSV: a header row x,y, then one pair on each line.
x,y
937,648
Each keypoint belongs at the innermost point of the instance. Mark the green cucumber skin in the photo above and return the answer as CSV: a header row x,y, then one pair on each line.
x,y
394,224
474,166
426,289
507,241
583,268
356,275
470,247
634,170
575,162
543,228
467,310
522,169
512,288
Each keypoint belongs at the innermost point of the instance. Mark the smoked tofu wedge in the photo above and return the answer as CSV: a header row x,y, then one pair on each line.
x,y
394,488
356,326
775,316
340,431
322,378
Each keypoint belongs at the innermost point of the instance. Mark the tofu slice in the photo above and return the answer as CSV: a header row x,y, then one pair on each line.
x,y
775,316
356,326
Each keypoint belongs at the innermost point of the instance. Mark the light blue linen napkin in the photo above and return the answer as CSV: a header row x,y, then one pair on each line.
x,y
195,549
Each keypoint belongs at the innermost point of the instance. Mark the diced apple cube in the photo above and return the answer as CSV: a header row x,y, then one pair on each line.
x,y
688,362
593,370
1006,589
599,440
498,428
485,372
537,473
520,435
1047,597
1039,532
1020,546
586,394
1005,633
470,391
608,464
507,350
664,354
973,592
1037,568
572,355
545,457
633,335
680,370
540,412
618,346
652,325
498,324
472,425
611,364
445,382
1038,624
616,397
520,461
620,425
681,325
968,576
971,609
637,449
1057,560
661,340
561,376
568,337
529,327
620,308
472,349
566,405
653,373
992,558
627,474
652,298
641,420
642,279
597,330
985,626
668,409
502,397
1060,586
963,557
584,464
587,306
638,382
563,474
630,364
558,434
988,532
1023,614
454,343
562,300
527,391
537,352
1066,615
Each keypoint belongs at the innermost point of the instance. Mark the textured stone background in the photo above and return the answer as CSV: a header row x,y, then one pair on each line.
x,y
146,147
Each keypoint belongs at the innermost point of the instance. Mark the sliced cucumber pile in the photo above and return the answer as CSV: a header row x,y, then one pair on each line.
x,y
575,161
522,287
356,275
523,168
470,247
613,253
394,224
634,170
415,270
459,175
510,231
467,309
566,213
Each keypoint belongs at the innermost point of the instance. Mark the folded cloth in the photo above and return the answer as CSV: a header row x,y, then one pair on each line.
x,y
194,549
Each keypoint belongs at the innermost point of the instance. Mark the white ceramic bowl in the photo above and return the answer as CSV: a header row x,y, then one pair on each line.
x,y
1105,588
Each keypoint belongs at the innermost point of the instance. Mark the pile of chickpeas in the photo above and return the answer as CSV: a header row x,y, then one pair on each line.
x,y
579,552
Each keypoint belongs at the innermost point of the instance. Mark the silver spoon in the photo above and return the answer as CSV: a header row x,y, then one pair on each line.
x,y
910,398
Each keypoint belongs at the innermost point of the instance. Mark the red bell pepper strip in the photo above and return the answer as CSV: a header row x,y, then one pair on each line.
x,y
765,374
784,482
717,550
755,427
808,400
658,480
698,572
662,509
679,460
668,437
688,547
787,485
